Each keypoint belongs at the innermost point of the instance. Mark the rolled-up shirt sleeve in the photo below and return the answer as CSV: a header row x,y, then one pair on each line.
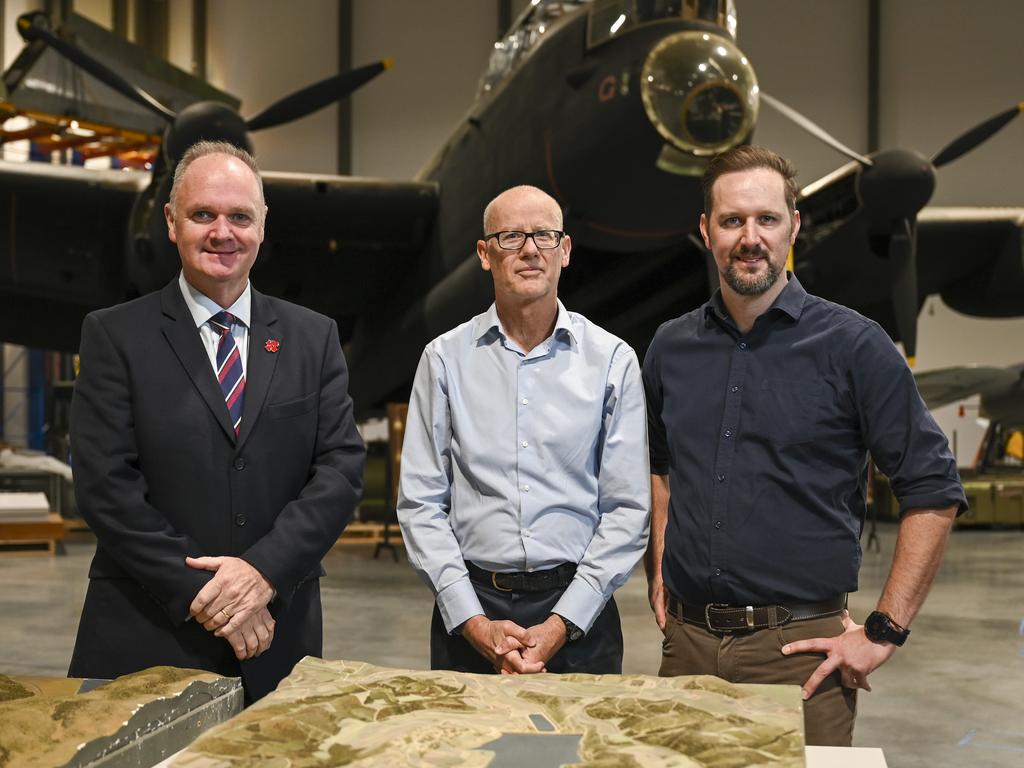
x,y
904,440
623,496
425,492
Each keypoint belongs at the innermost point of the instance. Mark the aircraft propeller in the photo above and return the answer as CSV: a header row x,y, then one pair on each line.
x,y
202,119
155,256
972,138
893,186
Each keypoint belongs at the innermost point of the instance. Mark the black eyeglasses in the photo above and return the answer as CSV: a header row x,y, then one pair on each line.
x,y
513,241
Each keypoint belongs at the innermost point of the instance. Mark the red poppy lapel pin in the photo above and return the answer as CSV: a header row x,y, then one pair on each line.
x,y
272,345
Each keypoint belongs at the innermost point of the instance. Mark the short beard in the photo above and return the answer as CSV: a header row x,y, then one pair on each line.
x,y
746,287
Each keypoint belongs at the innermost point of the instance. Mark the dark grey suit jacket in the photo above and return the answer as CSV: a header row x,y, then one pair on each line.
x,y
159,474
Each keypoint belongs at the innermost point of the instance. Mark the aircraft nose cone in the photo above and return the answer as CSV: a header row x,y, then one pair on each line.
x,y
699,92
204,120
897,186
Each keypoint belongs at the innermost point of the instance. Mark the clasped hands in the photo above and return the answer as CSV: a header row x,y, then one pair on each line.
x,y
233,604
512,649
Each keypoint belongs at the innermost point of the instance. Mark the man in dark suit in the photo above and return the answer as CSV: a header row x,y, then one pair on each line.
x,y
214,450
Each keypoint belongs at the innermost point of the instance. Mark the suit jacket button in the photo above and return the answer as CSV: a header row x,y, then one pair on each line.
x,y
241,520
239,463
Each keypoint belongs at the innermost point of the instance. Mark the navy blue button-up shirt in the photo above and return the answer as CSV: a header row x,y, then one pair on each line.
x,y
765,439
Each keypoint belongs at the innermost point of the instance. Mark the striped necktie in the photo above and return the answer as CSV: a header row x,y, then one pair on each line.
x,y
229,367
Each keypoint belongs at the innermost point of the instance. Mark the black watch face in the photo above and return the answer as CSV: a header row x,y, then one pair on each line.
x,y
572,632
874,626
879,627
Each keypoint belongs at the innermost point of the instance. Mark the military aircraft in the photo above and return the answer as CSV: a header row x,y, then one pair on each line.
x,y
1000,392
1001,389
612,106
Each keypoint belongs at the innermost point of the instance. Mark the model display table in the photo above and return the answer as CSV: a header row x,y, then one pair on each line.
x,y
134,721
351,713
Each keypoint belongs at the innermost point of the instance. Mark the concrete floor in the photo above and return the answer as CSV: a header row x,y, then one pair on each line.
x,y
954,695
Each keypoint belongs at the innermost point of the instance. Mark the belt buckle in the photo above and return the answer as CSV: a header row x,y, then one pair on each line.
x,y
707,616
494,582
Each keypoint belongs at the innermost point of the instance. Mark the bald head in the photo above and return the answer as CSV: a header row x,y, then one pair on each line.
x,y
515,198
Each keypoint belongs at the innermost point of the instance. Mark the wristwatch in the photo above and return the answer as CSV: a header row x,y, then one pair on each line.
x,y
572,632
880,628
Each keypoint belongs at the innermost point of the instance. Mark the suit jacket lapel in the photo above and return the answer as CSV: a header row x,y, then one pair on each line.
x,y
262,362
183,336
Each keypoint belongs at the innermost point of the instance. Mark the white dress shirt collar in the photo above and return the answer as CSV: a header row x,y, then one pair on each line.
x,y
202,307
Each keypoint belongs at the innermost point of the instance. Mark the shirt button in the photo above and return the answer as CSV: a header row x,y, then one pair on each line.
x,y
743,345
239,463
735,389
526,534
720,478
718,571
241,520
526,489
525,444
728,433
718,523
526,401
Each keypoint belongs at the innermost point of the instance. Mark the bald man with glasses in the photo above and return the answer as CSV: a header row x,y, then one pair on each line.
x,y
523,496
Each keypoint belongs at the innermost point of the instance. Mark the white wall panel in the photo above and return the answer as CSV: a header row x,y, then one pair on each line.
x,y
440,49
813,56
179,33
946,66
262,50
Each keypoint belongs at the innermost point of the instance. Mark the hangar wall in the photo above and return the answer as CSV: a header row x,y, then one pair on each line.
x,y
945,65
261,51
440,49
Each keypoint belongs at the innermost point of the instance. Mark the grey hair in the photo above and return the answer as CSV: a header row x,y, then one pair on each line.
x,y
204,148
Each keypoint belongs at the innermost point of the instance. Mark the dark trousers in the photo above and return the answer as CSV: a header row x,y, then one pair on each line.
x,y
756,657
599,652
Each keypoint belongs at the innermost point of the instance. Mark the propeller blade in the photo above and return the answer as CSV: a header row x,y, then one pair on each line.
x,y
978,134
814,129
316,96
903,284
36,26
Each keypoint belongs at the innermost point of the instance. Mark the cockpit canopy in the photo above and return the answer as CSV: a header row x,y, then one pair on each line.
x,y
606,20
609,18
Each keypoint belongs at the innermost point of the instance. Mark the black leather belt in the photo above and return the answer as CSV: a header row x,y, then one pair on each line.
x,y
524,581
717,617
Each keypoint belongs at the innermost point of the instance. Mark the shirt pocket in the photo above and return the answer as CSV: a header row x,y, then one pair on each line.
x,y
290,408
790,411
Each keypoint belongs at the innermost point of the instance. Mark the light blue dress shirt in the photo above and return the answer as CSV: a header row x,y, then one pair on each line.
x,y
521,461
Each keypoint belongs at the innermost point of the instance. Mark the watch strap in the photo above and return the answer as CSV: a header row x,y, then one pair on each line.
x,y
881,627
572,632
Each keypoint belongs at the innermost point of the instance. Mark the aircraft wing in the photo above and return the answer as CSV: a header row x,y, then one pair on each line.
x,y
1001,389
943,386
979,257
62,240
332,243
972,257
338,244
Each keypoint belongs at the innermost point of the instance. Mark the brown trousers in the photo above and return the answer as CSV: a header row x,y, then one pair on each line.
x,y
756,657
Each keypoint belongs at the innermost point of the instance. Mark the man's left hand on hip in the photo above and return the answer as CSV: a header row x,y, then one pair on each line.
x,y
851,653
